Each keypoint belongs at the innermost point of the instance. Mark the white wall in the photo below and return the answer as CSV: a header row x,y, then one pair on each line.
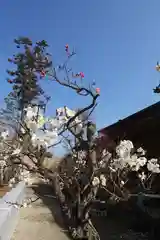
x,y
9,213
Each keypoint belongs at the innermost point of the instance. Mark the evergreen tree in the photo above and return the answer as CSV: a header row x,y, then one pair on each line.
x,y
32,63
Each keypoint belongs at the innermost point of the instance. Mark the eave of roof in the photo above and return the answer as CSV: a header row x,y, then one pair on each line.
x,y
134,116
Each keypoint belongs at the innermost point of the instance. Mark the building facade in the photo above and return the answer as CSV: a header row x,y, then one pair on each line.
x,y
142,128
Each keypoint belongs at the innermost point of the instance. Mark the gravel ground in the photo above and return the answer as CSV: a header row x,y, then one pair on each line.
x,y
37,223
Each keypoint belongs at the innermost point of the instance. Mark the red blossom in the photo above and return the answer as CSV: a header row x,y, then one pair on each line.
x,y
81,74
42,73
98,90
9,81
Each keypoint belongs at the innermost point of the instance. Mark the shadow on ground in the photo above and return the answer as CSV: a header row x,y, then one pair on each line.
x,y
46,194
116,225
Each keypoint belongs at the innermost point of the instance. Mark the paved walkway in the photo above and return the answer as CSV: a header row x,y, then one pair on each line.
x,y
42,221
39,222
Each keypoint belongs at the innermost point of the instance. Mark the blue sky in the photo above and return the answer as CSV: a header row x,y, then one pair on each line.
x,y
117,44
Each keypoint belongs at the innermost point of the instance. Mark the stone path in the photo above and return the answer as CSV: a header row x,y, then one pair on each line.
x,y
39,221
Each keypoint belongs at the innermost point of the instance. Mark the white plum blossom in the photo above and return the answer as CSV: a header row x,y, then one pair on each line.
x,y
104,153
124,148
117,163
60,111
64,114
153,166
69,113
141,151
142,176
24,175
16,151
142,161
82,155
2,163
32,125
112,169
122,182
103,180
37,142
22,130
65,111
46,139
12,181
53,124
5,157
31,112
136,163
95,181
125,159
132,162
34,119
48,136
5,134
25,204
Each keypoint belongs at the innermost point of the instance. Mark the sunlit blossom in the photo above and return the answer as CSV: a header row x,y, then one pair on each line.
x,y
153,166
5,134
103,180
95,181
16,151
